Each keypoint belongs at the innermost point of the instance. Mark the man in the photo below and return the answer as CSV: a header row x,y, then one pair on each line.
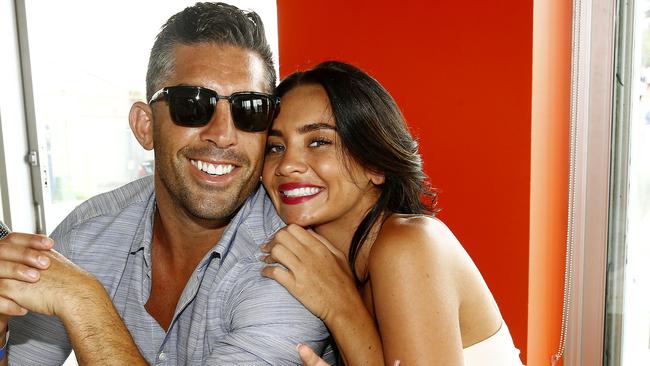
x,y
176,253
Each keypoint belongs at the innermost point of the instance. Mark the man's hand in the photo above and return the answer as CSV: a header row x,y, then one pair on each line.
x,y
96,331
59,289
21,259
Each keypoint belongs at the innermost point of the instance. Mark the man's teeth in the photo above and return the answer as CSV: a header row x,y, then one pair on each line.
x,y
218,169
300,192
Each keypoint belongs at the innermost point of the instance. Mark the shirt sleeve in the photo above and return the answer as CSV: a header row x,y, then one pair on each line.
x,y
37,339
264,324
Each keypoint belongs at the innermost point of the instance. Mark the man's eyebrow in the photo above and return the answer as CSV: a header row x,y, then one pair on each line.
x,y
305,129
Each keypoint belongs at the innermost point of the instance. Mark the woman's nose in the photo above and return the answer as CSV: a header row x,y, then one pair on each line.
x,y
292,162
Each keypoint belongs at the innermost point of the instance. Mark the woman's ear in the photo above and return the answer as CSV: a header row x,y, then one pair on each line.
x,y
141,122
376,178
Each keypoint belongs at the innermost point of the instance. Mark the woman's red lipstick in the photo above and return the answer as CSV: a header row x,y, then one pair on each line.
x,y
307,192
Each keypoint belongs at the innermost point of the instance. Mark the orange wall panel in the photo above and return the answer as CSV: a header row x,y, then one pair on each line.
x,y
549,175
461,73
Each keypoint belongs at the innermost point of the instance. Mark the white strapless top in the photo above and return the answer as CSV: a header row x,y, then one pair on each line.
x,y
498,350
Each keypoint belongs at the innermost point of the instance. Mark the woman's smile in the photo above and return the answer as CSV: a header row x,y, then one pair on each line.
x,y
295,193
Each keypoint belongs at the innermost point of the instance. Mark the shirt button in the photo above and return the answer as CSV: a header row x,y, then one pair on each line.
x,y
162,356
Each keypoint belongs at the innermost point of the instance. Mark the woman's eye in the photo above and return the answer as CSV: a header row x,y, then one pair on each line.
x,y
320,142
274,148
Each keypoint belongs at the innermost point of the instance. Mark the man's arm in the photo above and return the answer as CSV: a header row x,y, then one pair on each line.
x,y
64,290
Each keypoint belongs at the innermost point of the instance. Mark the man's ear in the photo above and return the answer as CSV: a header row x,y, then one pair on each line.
x,y
141,122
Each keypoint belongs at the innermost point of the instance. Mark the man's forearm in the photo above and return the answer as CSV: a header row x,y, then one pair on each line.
x,y
97,333
95,329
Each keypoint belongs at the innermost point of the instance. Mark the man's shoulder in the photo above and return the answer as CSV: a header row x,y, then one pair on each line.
x,y
260,298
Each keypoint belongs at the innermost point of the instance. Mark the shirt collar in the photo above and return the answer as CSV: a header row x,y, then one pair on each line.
x,y
256,210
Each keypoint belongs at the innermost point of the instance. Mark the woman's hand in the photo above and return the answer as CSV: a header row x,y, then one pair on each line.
x,y
309,357
316,273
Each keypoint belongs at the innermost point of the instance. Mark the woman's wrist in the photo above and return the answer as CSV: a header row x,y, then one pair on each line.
x,y
346,310
356,334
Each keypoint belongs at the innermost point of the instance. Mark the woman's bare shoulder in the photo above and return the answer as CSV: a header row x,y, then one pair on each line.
x,y
413,239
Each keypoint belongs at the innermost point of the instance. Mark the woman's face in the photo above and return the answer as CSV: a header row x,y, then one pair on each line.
x,y
305,173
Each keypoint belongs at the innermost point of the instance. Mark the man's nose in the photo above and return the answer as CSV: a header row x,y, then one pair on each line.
x,y
221,129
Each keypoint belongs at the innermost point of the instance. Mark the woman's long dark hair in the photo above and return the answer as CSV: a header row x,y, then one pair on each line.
x,y
373,134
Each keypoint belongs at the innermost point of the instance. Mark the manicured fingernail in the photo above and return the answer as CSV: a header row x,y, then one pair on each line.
x,y
43,261
47,241
32,273
298,346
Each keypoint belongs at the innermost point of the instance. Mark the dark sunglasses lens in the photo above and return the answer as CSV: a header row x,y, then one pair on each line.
x,y
190,108
252,113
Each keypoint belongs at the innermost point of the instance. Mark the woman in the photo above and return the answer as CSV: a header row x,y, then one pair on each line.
x,y
362,251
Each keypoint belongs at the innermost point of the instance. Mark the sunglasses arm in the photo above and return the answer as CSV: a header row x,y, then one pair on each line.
x,y
158,95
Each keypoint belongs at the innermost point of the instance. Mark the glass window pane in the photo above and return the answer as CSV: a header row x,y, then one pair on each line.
x,y
628,312
636,309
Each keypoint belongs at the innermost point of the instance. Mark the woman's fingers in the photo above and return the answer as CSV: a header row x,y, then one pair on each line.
x,y
287,237
339,254
309,357
282,254
281,275
284,248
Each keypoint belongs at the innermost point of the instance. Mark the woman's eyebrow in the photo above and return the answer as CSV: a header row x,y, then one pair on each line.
x,y
305,129
314,127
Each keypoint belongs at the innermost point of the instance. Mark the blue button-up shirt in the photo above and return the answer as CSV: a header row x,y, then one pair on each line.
x,y
227,314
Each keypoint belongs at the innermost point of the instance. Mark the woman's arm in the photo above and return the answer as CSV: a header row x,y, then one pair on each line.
x,y
413,265
318,275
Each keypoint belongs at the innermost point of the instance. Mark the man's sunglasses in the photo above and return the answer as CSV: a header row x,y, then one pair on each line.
x,y
194,106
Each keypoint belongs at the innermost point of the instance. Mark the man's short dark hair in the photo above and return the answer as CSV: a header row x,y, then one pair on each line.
x,y
216,23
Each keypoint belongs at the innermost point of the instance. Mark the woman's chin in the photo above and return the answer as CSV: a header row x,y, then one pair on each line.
x,y
300,221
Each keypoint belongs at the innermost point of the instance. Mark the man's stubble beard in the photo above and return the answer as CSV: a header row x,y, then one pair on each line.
x,y
207,203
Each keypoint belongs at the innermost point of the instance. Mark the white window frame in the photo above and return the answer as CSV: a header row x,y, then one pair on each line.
x,y
19,207
592,97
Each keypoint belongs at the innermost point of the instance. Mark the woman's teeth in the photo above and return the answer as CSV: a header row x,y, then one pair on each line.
x,y
301,192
